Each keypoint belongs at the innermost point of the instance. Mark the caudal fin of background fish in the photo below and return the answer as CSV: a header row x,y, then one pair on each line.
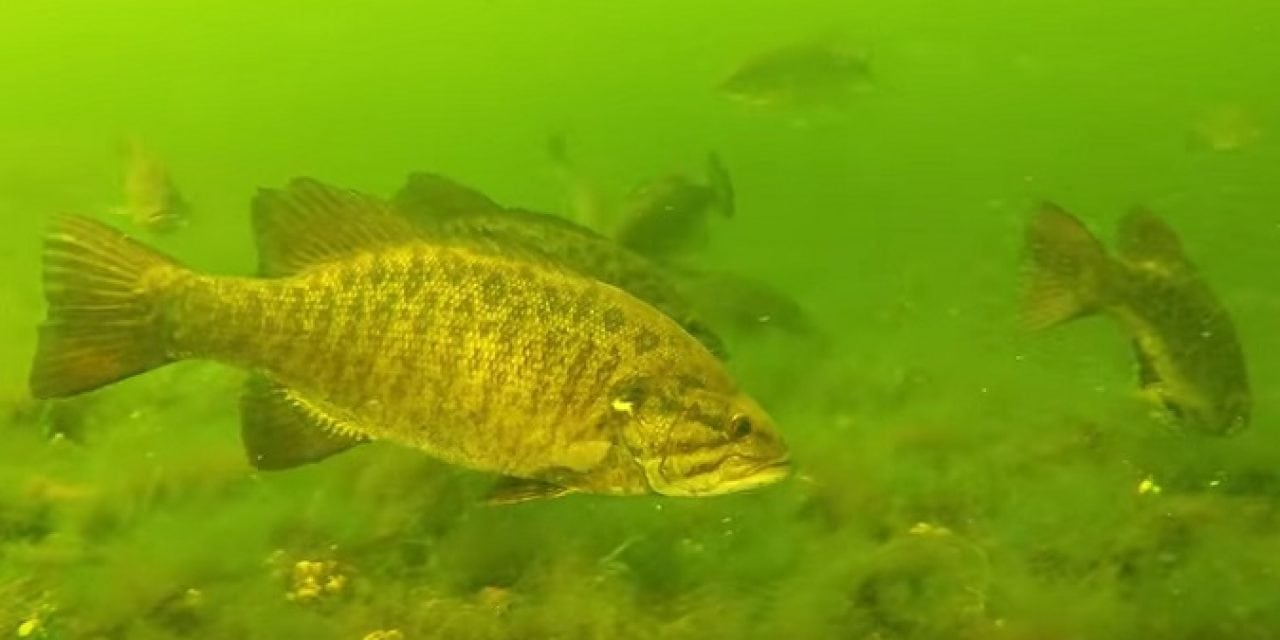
x,y
1067,270
586,204
101,325
720,183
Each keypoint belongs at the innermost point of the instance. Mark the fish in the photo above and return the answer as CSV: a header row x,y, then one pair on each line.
x,y
749,305
1190,360
803,76
454,212
667,219
359,328
151,199
1226,128
587,204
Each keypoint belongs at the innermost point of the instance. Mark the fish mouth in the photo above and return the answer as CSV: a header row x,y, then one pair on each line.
x,y
741,477
774,471
759,476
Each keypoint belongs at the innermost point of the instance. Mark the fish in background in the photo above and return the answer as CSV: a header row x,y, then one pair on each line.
x,y
1226,128
805,76
748,306
587,204
1190,361
151,199
364,327
665,219
668,219
668,222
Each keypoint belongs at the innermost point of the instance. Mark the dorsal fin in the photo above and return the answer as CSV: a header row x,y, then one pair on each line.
x,y
433,196
309,223
1146,239
434,201
451,213
540,222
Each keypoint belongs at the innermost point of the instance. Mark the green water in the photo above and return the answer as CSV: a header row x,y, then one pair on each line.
x,y
955,478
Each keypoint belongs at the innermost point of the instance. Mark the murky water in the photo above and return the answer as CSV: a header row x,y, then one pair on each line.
x,y
954,477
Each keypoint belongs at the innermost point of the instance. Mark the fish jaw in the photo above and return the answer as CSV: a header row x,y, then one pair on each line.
x,y
763,475
731,478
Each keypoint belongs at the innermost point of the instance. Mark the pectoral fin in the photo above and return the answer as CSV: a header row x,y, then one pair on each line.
x,y
281,429
510,490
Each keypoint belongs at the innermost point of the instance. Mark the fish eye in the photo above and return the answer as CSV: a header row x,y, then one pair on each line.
x,y
740,426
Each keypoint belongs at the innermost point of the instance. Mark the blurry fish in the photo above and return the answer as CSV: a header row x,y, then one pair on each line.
x,y
1189,358
779,347
48,490
747,305
667,219
68,418
456,213
587,205
151,200
664,219
363,329
60,419
1229,127
798,77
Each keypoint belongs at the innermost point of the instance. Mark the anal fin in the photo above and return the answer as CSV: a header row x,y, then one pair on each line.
x,y
281,429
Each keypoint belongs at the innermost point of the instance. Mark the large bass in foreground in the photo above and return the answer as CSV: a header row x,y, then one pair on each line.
x,y
367,328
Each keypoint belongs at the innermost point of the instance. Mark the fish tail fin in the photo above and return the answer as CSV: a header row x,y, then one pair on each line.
x,y
721,184
1068,270
102,323
129,145
864,59
586,205
558,150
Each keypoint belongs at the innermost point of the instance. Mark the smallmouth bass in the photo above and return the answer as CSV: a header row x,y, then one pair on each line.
x,y
363,329
1189,357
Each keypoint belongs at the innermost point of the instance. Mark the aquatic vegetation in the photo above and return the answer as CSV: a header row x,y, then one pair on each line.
x,y
308,581
919,530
